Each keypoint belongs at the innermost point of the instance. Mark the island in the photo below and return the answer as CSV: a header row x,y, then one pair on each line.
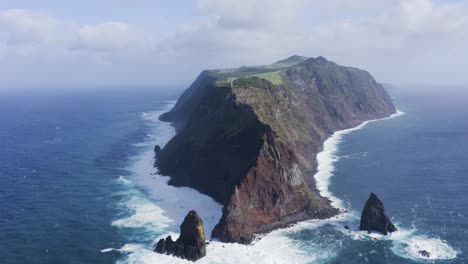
x,y
248,137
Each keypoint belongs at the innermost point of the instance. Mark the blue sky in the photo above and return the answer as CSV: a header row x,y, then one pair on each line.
x,y
67,44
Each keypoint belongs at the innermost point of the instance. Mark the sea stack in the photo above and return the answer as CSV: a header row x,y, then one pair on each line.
x,y
191,242
157,148
373,217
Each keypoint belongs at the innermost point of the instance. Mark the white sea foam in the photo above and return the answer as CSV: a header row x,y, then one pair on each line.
x,y
162,207
107,250
123,180
328,156
159,208
406,243
271,249
168,205
144,213
409,247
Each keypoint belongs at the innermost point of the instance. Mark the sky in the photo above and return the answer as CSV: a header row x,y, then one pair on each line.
x,y
154,43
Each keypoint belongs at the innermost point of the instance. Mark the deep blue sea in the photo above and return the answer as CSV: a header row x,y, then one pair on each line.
x,y
77,186
60,156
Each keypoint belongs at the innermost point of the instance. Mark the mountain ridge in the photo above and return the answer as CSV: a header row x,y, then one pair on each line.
x,y
248,137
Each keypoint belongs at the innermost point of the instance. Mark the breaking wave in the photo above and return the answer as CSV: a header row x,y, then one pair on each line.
x,y
157,209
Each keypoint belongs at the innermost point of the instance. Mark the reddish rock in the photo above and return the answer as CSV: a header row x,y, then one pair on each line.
x,y
252,145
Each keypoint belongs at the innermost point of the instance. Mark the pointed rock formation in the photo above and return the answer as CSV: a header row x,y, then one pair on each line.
x,y
157,148
373,217
191,242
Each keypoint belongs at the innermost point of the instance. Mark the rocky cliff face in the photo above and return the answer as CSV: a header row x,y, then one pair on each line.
x,y
248,137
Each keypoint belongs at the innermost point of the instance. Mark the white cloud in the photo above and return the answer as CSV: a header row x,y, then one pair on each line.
x,y
109,36
385,37
27,27
251,15
397,41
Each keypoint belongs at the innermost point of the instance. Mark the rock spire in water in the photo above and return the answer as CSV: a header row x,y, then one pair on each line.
x,y
191,242
373,217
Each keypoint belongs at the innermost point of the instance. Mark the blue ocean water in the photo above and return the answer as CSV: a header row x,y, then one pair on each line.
x,y
417,164
76,184
60,156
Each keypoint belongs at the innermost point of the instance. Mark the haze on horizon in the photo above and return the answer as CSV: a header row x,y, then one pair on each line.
x,y
64,44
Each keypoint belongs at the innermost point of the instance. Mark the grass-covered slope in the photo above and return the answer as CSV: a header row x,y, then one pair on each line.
x,y
248,137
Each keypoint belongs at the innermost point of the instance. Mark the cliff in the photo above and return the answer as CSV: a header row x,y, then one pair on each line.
x,y
248,137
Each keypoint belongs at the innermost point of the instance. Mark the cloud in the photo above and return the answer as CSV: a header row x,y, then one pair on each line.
x,y
109,36
39,50
251,15
397,41
27,27
385,37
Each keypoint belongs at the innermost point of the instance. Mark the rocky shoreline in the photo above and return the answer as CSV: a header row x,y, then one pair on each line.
x,y
249,142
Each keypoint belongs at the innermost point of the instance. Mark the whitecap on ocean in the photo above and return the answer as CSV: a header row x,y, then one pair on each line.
x,y
159,209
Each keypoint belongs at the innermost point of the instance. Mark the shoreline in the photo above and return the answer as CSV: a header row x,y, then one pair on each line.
x,y
407,242
161,215
276,246
327,157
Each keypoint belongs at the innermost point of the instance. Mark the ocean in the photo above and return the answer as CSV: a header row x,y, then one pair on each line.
x,y
77,183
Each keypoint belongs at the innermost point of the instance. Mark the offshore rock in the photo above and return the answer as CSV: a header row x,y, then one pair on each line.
x,y
157,148
373,217
191,243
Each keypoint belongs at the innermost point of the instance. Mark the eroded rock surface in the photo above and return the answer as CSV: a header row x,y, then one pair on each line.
x,y
249,137
373,217
191,243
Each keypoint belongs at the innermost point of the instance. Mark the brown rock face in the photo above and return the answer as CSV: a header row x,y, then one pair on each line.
x,y
273,194
251,143
191,242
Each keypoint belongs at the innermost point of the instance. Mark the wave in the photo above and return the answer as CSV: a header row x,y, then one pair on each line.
x,y
143,213
328,156
157,208
406,243
160,209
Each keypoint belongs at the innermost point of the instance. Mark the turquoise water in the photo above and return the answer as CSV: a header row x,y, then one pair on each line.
x,y
77,184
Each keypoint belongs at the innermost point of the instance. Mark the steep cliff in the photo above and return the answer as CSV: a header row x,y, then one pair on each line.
x,y
248,137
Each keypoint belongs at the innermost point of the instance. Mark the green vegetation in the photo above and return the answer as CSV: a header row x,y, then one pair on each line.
x,y
271,73
223,83
293,60
251,81
273,77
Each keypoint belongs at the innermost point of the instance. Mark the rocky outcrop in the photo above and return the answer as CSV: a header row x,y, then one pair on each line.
x,y
248,137
191,243
157,148
373,217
